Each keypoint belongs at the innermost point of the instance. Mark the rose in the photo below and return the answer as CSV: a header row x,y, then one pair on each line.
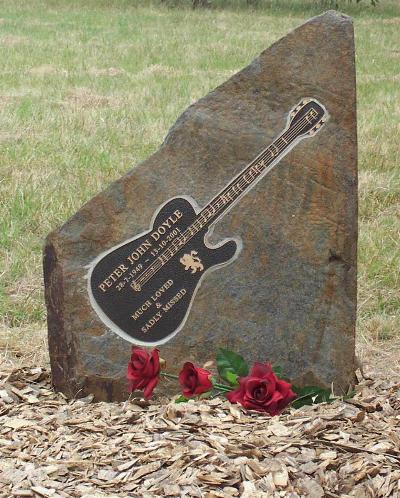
x,y
143,370
194,380
261,390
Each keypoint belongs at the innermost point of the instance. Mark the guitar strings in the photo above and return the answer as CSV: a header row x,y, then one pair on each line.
x,y
242,183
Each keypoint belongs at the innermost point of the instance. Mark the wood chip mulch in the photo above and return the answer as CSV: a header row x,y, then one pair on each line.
x,y
52,447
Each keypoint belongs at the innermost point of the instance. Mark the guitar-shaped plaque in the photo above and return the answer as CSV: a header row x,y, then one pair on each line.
x,y
143,288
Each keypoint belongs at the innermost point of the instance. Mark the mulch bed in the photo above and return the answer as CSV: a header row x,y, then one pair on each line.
x,y
53,447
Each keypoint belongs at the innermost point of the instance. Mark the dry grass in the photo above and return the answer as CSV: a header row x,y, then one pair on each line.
x,y
23,346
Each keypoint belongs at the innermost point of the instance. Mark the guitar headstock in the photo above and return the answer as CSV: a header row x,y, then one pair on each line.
x,y
307,118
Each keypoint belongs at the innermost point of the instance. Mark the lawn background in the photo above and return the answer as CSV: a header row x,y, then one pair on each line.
x,y
90,88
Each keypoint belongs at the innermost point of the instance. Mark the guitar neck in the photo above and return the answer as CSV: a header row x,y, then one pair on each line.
x,y
245,180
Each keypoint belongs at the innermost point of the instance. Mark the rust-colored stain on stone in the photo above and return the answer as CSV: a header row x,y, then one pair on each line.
x,y
290,297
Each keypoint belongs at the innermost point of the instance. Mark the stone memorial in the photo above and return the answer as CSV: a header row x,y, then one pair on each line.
x,y
133,264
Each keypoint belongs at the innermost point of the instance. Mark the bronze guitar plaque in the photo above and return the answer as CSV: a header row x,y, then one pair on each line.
x,y
143,288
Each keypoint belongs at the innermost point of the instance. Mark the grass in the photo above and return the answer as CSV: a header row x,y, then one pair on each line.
x,y
90,88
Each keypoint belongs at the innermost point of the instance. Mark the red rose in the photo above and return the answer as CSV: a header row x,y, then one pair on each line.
x,y
143,370
262,390
194,380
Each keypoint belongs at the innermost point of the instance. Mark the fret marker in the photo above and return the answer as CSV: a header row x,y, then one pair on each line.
x,y
274,150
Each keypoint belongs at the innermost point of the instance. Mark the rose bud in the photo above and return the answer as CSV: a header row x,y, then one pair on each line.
x,y
194,380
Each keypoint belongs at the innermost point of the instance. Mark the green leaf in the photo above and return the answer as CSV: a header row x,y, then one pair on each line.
x,y
277,371
181,399
231,378
228,361
310,395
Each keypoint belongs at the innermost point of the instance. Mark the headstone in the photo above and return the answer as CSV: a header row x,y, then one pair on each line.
x,y
290,294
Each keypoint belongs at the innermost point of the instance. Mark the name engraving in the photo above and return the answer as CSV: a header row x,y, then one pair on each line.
x,y
113,277
171,220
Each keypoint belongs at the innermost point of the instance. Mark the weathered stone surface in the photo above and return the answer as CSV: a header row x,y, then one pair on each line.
x,y
291,295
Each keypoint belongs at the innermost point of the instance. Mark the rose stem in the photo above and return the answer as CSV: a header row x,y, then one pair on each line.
x,y
169,376
222,387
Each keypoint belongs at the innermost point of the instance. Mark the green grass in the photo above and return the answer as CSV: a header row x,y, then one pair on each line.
x,y
90,88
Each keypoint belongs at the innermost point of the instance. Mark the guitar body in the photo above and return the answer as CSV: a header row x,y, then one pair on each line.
x,y
156,311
